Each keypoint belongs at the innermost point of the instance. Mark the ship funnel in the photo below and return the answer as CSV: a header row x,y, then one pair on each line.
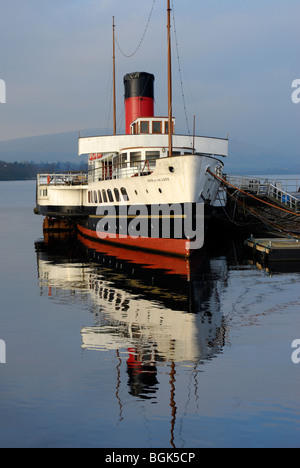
x,y
139,97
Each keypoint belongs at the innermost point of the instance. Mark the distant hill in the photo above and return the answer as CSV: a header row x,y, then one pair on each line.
x,y
29,170
58,147
247,158
244,158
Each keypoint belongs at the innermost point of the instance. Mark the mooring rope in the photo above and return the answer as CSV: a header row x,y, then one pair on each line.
x,y
264,220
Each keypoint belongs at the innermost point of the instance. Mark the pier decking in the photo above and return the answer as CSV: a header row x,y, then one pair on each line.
x,y
277,249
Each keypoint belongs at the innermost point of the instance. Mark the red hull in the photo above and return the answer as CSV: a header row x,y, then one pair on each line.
x,y
179,247
149,260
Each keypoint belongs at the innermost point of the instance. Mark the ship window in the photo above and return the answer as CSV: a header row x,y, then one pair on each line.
x,y
104,196
110,195
124,194
144,127
99,197
135,158
123,161
89,197
156,127
117,194
116,162
152,155
95,197
167,127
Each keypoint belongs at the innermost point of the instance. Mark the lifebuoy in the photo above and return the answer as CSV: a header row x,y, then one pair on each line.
x,y
48,180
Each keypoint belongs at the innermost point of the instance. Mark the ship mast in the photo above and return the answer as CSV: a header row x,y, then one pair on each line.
x,y
170,84
114,77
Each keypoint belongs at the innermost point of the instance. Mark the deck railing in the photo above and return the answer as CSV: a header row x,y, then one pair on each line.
x,y
284,191
287,185
122,171
287,199
63,179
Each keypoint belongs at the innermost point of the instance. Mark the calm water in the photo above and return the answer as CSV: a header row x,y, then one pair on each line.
x,y
109,349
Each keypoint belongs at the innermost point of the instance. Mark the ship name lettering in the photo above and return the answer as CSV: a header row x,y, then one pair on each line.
x,y
164,179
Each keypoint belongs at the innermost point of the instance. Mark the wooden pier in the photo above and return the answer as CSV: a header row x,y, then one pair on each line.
x,y
276,249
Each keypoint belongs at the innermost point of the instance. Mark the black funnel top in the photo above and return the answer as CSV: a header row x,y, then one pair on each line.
x,y
139,84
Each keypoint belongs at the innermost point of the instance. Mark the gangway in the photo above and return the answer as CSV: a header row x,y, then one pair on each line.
x,y
284,192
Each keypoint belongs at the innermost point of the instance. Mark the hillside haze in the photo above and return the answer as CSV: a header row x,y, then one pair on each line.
x,y
63,147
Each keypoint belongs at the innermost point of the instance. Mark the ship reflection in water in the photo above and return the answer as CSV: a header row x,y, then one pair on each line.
x,y
149,309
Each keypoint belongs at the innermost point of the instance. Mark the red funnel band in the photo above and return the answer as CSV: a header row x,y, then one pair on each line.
x,y
136,107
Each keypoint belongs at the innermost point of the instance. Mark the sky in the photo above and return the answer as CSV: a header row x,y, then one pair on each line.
x,y
238,60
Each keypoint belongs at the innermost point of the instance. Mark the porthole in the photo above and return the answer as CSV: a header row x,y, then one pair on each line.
x,y
124,194
110,196
104,196
117,195
171,169
160,190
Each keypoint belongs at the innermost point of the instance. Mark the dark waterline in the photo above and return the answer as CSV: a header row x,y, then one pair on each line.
x,y
105,352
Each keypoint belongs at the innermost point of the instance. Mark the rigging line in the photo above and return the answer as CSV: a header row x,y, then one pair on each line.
x,y
143,36
229,217
179,69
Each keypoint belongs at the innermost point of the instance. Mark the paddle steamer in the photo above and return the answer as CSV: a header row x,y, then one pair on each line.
x,y
149,188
